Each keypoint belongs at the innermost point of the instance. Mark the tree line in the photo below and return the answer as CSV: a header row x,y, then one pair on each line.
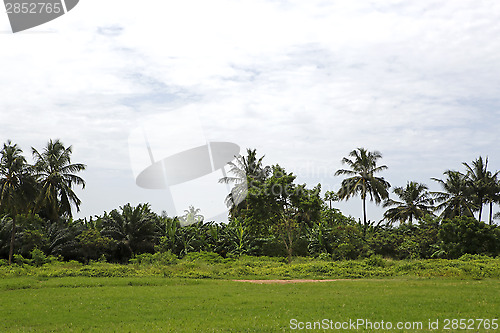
x,y
269,214
43,188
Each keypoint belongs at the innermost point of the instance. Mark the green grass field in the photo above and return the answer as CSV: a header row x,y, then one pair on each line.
x,y
149,304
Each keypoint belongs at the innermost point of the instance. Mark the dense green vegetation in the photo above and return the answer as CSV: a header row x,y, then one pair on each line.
x,y
132,269
152,304
270,215
212,266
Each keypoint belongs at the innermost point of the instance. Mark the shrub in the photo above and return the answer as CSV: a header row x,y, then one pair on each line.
x,y
463,235
209,257
375,261
38,257
159,258
469,257
20,260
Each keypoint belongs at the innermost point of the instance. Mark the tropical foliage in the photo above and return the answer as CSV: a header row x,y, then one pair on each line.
x,y
415,203
362,167
56,176
276,217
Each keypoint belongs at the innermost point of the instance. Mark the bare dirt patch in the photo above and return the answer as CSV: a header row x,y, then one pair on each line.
x,y
287,281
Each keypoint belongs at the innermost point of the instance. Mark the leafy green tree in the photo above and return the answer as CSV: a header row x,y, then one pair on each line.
x,y
292,207
362,180
93,244
5,234
457,199
56,175
416,202
343,241
31,234
462,235
17,186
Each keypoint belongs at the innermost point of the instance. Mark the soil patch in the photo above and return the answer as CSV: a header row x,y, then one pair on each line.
x,y
287,281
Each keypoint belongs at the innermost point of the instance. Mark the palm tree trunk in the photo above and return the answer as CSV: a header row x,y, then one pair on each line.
x,y
480,211
491,212
364,210
12,237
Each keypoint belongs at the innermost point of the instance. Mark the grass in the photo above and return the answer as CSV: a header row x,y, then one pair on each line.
x,y
157,304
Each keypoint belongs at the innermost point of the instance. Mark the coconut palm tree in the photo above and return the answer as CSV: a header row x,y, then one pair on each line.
x,y
493,195
457,198
245,171
331,196
416,202
480,181
17,186
363,166
56,175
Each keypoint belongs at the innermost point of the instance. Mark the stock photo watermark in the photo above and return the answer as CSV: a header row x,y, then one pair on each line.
x,y
366,324
169,152
24,15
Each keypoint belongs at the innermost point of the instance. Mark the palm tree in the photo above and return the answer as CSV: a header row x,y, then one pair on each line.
x,y
363,166
457,198
480,180
493,195
17,186
56,175
245,171
331,196
192,216
416,202
134,228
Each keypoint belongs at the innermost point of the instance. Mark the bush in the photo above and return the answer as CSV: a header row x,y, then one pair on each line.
x,y
20,260
38,257
469,257
375,261
209,257
463,235
159,258
270,247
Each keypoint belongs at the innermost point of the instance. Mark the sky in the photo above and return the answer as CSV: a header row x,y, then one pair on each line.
x,y
304,83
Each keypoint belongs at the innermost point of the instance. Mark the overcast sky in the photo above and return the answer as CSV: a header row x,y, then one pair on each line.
x,y
303,82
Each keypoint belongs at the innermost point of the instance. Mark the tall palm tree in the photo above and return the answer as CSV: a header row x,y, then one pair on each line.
x,y
17,186
245,171
416,202
457,198
479,179
493,195
331,196
56,175
363,166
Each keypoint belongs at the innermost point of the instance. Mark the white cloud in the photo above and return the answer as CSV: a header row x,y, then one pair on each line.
x,y
303,82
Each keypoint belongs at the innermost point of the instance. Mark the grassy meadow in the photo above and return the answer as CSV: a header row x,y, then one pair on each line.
x,y
148,304
197,294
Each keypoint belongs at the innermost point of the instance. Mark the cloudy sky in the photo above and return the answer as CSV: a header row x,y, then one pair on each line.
x,y
303,82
